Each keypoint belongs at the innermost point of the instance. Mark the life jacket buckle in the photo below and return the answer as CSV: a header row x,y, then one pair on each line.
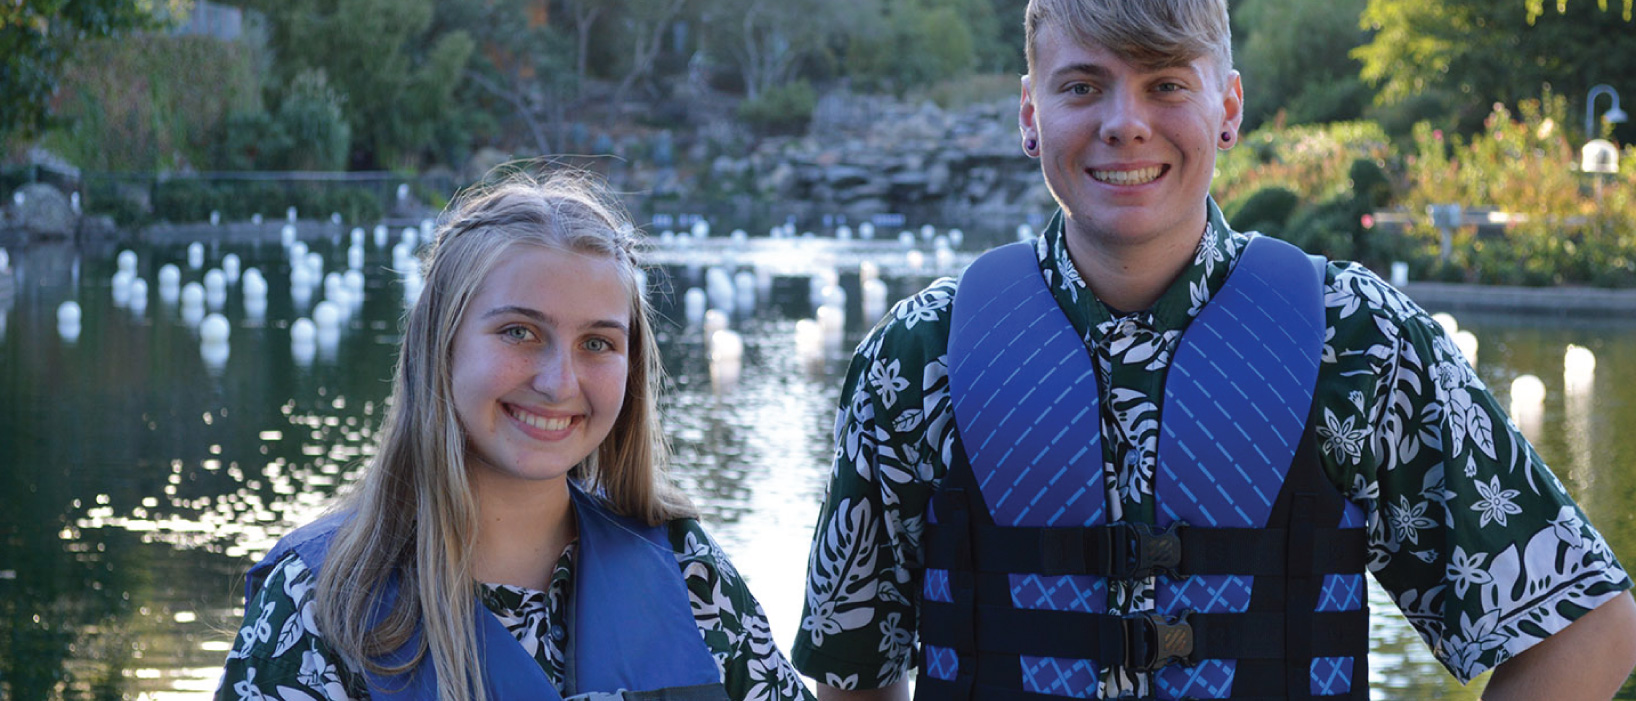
x,y
1138,551
1154,641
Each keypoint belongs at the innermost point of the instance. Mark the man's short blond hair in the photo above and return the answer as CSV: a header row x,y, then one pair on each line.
x,y
1148,33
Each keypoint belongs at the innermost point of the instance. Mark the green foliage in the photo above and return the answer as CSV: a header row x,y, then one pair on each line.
x,y
1315,162
1474,53
396,74
311,117
151,102
785,109
1266,210
36,36
1558,230
912,44
1293,59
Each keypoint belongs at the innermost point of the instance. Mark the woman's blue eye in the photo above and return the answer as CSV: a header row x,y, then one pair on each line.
x,y
516,333
598,345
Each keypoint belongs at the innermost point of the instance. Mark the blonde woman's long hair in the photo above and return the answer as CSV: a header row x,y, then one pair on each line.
x,y
414,517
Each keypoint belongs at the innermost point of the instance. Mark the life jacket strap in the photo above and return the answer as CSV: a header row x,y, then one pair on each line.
x,y
1127,550
1149,641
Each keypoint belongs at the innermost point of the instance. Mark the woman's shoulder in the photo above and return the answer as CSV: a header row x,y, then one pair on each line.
x,y
279,646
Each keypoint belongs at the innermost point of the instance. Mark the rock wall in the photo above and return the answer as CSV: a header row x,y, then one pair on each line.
x,y
864,155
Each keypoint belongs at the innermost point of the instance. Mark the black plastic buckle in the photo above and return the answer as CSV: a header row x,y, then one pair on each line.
x,y
1137,551
1154,641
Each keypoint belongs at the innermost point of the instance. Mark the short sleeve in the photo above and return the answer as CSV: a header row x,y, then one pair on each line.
x,y
1471,534
279,652
732,622
893,443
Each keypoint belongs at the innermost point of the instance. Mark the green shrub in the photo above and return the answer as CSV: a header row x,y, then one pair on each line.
x,y
1266,210
311,114
786,109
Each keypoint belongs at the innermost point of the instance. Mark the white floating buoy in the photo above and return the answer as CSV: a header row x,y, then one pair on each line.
x,y
231,266
286,235
744,291
719,287
927,231
832,327
906,239
1024,232
214,355
956,237
289,214
739,236
300,278
1578,370
916,260
214,329
303,331
714,320
139,296
127,261
701,229
1528,404
215,287
354,284
874,299
809,340
411,237
68,321
866,231
843,233
298,251
381,234
195,255
335,218
255,308
1466,341
694,301
68,313
254,284
193,295
326,315
5,260
726,360
357,237
1400,273
122,287
215,218
403,191
1447,321
256,218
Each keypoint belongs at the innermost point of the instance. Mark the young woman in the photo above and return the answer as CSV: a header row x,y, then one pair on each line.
x,y
516,535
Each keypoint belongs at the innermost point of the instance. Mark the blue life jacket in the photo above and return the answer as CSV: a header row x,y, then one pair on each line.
x,y
639,640
1257,557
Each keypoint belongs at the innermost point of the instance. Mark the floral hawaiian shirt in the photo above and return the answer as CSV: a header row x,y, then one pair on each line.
x,y
280,654
1477,542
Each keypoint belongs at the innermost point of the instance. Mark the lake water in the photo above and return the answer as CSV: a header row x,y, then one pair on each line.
x,y
140,475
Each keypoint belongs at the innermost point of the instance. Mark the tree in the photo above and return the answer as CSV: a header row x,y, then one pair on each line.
x,y
532,68
397,77
36,36
768,41
1291,62
1471,54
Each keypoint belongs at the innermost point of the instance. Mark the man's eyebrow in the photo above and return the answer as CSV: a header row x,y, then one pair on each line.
x,y
1092,69
548,320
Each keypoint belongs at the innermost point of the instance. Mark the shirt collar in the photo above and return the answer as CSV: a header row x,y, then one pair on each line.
x,y
1217,252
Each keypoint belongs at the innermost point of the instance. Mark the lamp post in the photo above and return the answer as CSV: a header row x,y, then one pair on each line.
x,y
1614,115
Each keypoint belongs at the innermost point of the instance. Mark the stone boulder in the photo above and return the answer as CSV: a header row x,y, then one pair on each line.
x,y
44,211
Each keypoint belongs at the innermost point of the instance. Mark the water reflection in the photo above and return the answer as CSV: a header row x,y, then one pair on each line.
x,y
142,471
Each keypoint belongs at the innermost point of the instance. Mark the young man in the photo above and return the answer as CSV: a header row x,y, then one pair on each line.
x,y
1150,457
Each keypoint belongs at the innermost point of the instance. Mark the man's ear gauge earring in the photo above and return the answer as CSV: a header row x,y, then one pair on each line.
x,y
1030,144
1226,136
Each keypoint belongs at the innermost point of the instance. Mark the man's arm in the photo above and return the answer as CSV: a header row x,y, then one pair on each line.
x,y
894,692
1589,659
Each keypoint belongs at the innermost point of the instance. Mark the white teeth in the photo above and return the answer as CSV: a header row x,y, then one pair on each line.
x,y
1128,177
541,422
